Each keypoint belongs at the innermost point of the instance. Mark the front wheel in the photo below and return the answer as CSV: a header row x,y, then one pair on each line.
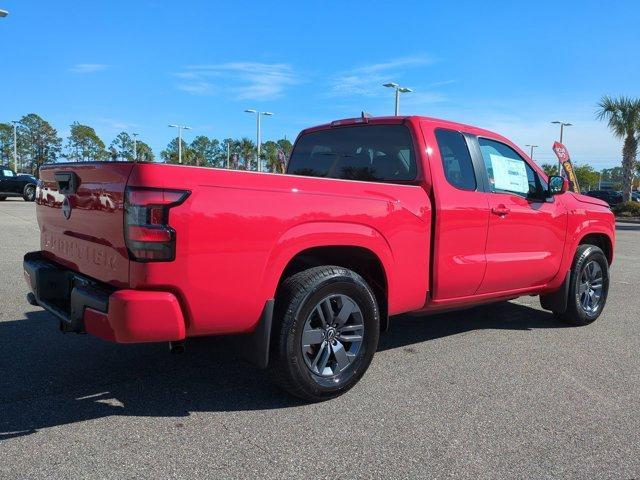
x,y
29,193
327,331
588,286
3,198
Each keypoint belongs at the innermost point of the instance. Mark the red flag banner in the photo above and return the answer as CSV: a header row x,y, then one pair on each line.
x,y
563,155
561,152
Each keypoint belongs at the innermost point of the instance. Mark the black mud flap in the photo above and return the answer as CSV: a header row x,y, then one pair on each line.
x,y
557,301
255,347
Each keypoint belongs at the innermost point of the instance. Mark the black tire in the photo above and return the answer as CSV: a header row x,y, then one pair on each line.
x,y
296,305
3,198
29,193
576,313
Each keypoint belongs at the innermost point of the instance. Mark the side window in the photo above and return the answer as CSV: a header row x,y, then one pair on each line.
x,y
508,171
456,160
7,173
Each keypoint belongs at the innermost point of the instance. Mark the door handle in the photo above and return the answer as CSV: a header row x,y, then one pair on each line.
x,y
500,210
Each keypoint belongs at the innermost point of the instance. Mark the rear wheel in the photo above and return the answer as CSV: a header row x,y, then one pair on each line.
x,y
588,286
327,331
2,198
29,193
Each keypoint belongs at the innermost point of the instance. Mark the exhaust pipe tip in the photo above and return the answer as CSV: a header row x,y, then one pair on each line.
x,y
31,298
177,347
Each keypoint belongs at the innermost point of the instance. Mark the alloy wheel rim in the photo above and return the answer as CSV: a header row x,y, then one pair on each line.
x,y
590,287
332,335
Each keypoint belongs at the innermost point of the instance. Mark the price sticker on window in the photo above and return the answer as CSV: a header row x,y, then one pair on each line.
x,y
509,174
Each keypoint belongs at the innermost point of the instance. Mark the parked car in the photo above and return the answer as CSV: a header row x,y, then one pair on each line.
x,y
612,197
635,196
17,185
375,217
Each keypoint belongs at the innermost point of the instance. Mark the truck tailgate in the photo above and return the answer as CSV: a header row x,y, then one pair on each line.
x,y
80,210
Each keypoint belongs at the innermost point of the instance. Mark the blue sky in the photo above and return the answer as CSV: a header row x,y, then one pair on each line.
x,y
140,65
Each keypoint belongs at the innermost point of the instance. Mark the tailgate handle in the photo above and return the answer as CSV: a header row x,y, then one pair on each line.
x,y
67,182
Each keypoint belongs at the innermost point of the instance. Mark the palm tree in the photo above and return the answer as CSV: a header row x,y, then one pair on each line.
x,y
623,117
550,169
247,150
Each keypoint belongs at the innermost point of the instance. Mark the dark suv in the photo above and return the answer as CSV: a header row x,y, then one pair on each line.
x,y
17,185
610,196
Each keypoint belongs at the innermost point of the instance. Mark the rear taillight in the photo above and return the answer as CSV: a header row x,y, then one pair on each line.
x,y
148,236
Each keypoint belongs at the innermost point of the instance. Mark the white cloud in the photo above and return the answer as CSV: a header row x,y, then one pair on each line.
x,y
197,88
88,67
396,64
243,80
367,80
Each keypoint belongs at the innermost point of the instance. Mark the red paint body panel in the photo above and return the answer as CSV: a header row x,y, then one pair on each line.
x,y
138,316
524,247
460,231
237,231
91,241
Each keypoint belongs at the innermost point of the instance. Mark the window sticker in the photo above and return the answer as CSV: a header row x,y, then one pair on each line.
x,y
509,174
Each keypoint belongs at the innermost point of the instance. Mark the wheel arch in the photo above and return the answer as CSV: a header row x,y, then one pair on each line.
x,y
600,240
357,247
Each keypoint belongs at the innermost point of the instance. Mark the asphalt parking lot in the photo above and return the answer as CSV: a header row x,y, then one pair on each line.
x,y
502,391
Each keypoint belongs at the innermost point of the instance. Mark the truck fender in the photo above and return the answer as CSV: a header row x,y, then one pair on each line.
x,y
324,234
588,227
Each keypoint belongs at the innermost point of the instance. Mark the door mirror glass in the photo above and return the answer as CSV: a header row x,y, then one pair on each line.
x,y
557,185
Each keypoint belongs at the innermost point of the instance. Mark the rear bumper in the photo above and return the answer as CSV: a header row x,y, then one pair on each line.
x,y
84,305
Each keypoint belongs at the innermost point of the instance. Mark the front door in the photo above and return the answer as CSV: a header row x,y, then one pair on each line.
x,y
527,230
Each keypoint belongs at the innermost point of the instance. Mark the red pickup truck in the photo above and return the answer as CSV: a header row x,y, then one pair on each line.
x,y
375,217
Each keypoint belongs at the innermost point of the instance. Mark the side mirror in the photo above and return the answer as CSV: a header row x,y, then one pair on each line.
x,y
557,185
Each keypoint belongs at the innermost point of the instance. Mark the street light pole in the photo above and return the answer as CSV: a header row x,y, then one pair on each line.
x,y
258,166
257,114
15,145
135,147
397,109
398,90
180,128
531,151
562,125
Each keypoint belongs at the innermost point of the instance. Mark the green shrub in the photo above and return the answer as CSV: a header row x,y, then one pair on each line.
x,y
627,209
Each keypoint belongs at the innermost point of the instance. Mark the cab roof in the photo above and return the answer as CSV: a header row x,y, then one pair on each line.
x,y
415,119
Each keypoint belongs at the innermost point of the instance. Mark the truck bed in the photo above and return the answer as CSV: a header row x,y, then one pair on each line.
x,y
235,234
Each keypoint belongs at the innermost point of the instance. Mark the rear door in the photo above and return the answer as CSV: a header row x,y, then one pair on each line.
x,y
462,214
80,209
526,231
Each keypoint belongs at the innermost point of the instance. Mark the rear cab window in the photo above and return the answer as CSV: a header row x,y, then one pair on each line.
x,y
508,172
376,153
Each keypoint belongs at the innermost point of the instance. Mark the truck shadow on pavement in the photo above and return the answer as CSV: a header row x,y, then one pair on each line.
x,y
48,379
